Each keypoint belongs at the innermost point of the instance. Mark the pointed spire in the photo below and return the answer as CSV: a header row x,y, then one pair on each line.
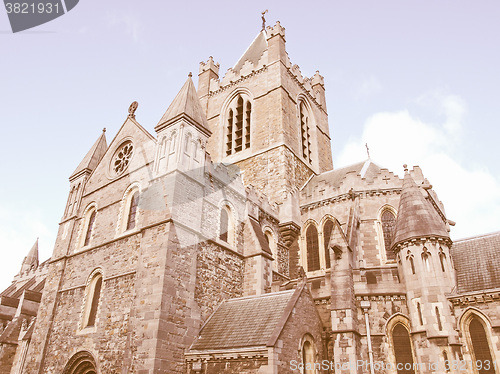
x,y
254,52
31,260
417,218
93,156
185,105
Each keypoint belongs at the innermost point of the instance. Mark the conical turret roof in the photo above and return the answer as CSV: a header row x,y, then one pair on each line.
x,y
186,104
93,156
31,260
417,218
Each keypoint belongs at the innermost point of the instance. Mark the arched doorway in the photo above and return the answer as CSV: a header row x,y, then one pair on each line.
x,y
480,347
402,349
81,363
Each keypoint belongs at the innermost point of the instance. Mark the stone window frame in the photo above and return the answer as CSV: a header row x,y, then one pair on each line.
x,y
84,227
324,249
307,338
232,219
248,122
111,172
401,319
465,319
380,233
273,245
411,260
304,251
310,148
88,301
123,215
426,260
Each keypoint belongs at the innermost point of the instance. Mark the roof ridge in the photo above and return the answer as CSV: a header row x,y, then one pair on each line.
x,y
476,237
258,296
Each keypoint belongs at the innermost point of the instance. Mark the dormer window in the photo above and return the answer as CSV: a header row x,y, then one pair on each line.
x,y
238,127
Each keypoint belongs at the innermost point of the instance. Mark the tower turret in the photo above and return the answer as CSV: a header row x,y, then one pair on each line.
x,y
422,245
30,262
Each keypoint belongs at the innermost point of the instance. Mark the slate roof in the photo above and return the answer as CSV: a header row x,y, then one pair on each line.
x,y
243,322
254,51
93,156
187,104
477,262
417,218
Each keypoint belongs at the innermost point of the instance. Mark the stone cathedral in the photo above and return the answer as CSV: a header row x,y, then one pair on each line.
x,y
226,242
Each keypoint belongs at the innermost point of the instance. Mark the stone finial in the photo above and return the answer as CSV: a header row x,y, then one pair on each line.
x,y
209,65
190,75
104,130
317,79
405,167
132,108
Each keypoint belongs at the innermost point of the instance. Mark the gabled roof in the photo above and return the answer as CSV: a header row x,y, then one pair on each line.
x,y
477,262
365,169
246,321
417,218
254,51
93,156
186,104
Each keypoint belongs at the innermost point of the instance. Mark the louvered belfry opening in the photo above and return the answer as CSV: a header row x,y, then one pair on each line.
x,y
312,248
304,130
402,350
480,346
238,125
388,220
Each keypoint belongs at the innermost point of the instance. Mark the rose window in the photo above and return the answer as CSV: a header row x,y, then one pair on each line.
x,y
122,158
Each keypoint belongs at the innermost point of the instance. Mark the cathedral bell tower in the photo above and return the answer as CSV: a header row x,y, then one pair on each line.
x,y
422,246
266,117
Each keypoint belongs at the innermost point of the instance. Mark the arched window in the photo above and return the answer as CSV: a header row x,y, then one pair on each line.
x,y
426,259
438,318
88,225
409,257
272,245
442,259
419,311
327,233
132,212
388,221
226,225
312,248
81,363
480,346
238,127
305,132
93,296
402,349
308,355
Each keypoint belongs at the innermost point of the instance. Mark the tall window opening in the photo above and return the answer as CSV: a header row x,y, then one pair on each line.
x,y
312,248
480,346
327,233
226,225
90,220
131,221
308,357
92,300
388,220
409,257
419,311
402,349
272,245
238,125
438,318
426,259
442,259
305,132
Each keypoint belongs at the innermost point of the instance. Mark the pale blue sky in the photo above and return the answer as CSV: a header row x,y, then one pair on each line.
x,y
417,79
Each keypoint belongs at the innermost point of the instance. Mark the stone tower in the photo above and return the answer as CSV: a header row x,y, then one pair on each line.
x,y
266,117
422,244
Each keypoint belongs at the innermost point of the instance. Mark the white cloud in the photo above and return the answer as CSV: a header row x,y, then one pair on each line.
x,y
471,195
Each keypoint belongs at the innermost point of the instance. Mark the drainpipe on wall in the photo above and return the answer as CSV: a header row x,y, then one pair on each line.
x,y
365,305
